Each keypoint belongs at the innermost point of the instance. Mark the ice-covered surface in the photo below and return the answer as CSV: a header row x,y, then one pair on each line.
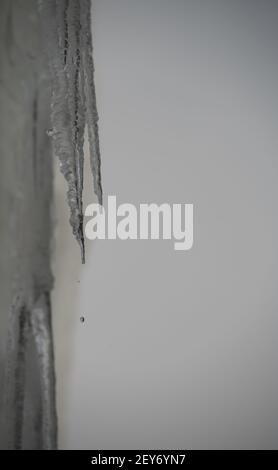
x,y
46,97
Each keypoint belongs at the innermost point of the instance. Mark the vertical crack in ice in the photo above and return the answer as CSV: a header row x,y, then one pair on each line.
x,y
67,30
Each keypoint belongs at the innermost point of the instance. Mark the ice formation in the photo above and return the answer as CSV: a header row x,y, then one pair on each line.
x,y
47,96
67,31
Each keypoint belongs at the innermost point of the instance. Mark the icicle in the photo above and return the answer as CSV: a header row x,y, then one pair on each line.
x,y
24,324
42,334
76,103
67,30
89,86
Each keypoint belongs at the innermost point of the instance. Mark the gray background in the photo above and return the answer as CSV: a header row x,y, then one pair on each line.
x,y
178,349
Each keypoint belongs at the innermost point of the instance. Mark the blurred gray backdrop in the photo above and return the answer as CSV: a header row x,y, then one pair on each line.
x,y
178,349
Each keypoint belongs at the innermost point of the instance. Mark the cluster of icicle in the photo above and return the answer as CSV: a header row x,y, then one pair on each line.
x,y
67,31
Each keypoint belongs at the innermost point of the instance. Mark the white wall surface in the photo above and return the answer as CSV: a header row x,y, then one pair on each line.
x,y
178,349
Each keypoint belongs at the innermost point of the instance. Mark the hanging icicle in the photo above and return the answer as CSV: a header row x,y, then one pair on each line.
x,y
67,29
